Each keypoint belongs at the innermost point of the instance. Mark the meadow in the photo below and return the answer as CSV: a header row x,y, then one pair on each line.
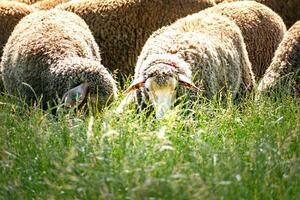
x,y
245,150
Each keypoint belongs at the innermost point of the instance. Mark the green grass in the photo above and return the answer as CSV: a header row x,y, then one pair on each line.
x,y
245,151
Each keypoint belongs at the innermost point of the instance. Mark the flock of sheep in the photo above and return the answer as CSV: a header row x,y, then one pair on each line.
x,y
66,50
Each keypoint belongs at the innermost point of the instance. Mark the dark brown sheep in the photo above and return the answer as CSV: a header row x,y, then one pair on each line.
x,y
289,10
121,27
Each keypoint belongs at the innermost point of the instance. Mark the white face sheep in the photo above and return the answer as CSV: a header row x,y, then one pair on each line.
x,y
284,71
53,54
206,47
121,27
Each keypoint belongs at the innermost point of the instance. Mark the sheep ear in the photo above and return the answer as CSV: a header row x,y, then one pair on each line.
x,y
135,84
75,96
187,82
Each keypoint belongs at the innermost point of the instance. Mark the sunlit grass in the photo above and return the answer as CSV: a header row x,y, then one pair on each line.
x,y
249,150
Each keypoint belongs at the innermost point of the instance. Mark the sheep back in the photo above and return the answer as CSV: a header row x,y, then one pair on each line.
x,y
53,51
262,30
48,4
289,10
121,27
28,2
285,65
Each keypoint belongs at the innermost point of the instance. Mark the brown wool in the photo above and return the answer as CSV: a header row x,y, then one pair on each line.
x,y
261,27
121,27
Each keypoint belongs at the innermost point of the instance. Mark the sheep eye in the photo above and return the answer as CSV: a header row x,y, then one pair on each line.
x,y
147,89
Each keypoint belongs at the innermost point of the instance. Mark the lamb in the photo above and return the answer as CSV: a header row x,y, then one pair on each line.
x,y
208,47
262,30
284,71
53,54
10,14
289,10
121,27
48,4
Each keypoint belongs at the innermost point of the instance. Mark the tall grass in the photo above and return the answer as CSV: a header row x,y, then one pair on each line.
x,y
249,150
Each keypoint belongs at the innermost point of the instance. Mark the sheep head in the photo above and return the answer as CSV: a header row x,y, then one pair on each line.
x,y
160,84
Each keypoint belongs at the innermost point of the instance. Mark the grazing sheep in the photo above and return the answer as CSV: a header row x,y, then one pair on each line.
x,y
53,54
262,30
48,4
121,27
289,10
284,71
10,14
207,47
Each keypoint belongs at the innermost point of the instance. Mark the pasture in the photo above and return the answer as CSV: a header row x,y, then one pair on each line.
x,y
245,150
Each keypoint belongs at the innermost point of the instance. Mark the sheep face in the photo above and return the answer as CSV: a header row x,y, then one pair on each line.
x,y
161,92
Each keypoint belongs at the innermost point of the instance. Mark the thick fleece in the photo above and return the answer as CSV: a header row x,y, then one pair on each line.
x,y
52,52
285,65
261,27
48,4
10,14
28,2
208,48
289,10
121,27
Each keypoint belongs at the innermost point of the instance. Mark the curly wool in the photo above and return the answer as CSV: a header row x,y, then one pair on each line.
x,y
53,51
208,45
28,2
48,4
121,27
285,62
289,10
10,14
261,27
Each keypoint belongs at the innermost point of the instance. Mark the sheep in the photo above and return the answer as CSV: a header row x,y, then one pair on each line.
x,y
53,54
284,71
48,4
289,10
208,47
10,14
121,27
262,30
